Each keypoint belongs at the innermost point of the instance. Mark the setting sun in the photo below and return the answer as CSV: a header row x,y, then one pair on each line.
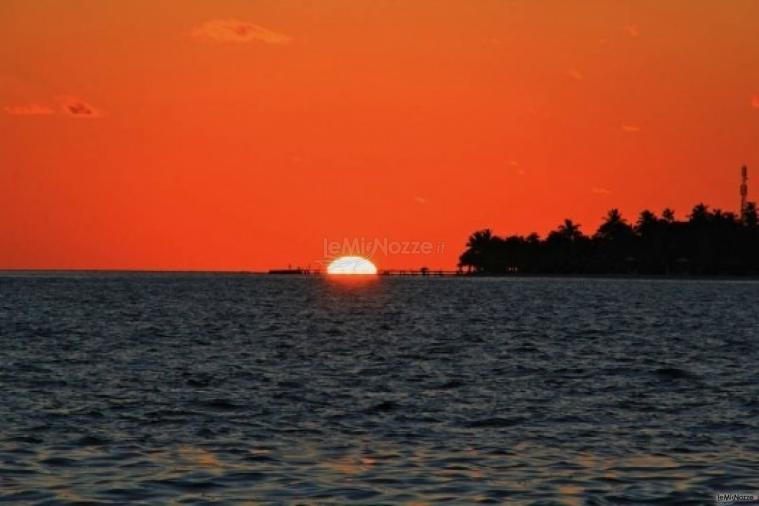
x,y
351,265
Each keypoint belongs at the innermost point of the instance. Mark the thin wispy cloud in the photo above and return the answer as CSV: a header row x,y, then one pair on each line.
x,y
575,74
516,168
76,107
632,31
600,191
236,31
630,129
29,110
67,106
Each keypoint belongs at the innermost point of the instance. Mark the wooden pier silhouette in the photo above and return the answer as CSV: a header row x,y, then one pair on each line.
x,y
424,271
419,272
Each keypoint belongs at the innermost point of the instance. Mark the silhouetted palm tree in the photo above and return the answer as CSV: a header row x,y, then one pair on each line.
x,y
646,221
709,242
700,215
652,243
570,230
614,227
749,215
668,215
483,253
480,240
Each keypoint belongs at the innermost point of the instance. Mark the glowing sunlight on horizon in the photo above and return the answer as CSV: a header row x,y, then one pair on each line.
x,y
351,265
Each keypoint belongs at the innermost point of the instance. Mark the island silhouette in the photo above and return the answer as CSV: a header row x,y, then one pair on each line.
x,y
708,242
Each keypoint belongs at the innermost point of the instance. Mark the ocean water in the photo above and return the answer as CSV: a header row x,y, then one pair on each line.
x,y
197,389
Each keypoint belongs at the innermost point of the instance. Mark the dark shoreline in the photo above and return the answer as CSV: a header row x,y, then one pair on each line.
x,y
707,241
410,274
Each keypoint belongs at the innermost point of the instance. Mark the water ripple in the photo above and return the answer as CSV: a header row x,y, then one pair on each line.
x,y
139,388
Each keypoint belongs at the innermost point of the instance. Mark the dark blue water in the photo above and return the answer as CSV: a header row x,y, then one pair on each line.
x,y
223,388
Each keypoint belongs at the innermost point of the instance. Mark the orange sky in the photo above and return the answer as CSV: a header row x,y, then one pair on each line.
x,y
240,134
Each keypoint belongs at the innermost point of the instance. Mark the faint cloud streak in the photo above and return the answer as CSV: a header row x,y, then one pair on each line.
x,y
630,129
516,168
632,31
235,31
600,191
78,108
29,110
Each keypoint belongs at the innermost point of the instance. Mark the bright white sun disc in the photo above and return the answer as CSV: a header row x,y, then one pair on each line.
x,y
351,265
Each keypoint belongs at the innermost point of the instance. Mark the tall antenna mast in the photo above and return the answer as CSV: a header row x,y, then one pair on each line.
x,y
744,189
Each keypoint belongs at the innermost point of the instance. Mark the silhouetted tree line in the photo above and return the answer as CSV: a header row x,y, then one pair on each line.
x,y
707,243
